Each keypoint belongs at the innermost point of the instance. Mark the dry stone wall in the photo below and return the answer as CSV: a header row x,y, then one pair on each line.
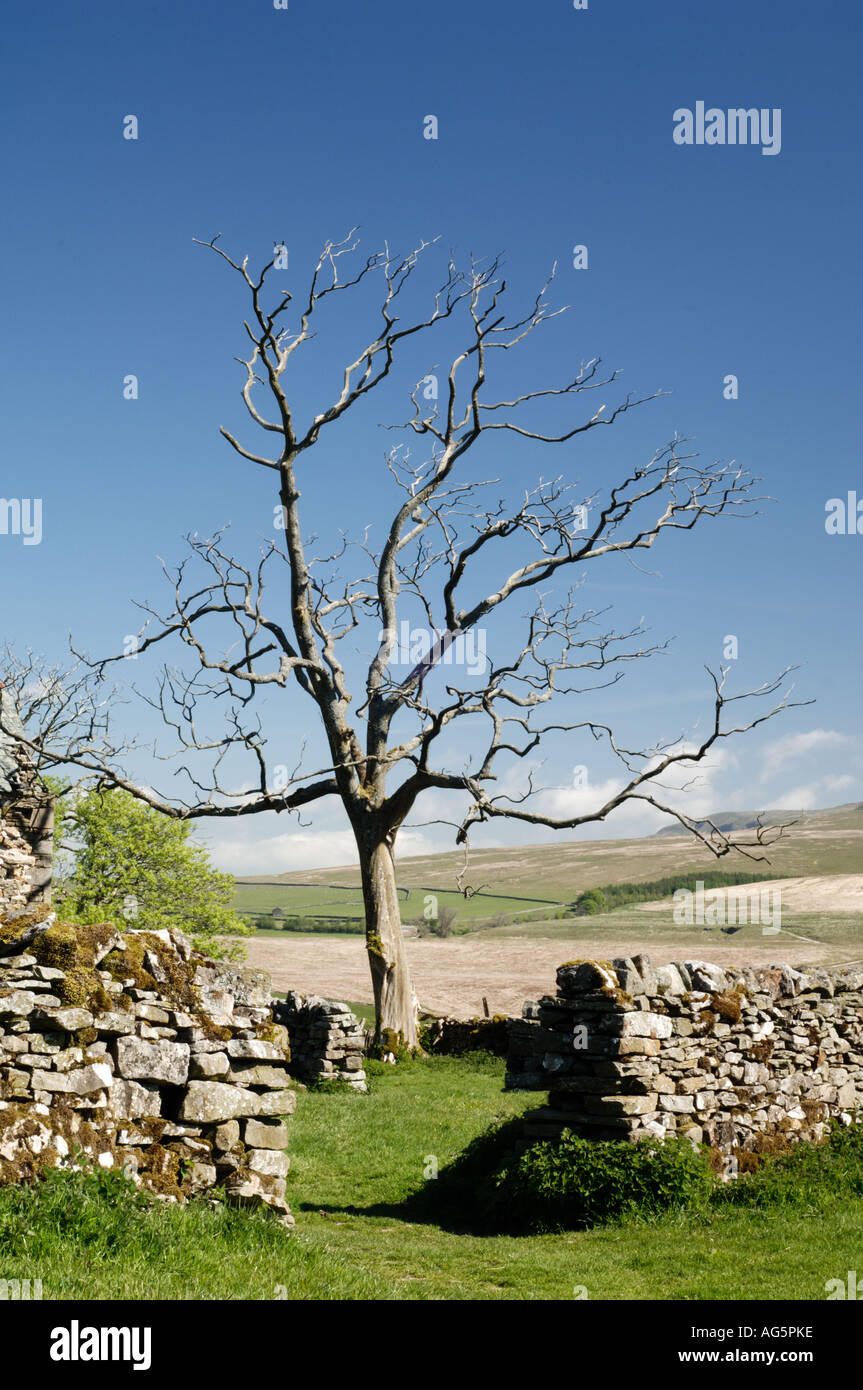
x,y
17,865
26,819
132,1051
744,1060
327,1040
455,1036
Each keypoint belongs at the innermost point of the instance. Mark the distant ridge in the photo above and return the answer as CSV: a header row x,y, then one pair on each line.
x,y
727,821
827,841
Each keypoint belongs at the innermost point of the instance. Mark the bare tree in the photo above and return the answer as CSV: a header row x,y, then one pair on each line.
x,y
442,539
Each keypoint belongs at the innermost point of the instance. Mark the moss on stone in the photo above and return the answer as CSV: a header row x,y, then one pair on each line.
x,y
23,1114
277,1034
57,947
75,950
727,1005
152,1125
85,1141
160,1172
14,927
176,982
129,964
770,1144
748,1161
620,996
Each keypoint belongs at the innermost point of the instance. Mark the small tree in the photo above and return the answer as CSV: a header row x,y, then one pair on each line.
x,y
591,902
443,923
135,864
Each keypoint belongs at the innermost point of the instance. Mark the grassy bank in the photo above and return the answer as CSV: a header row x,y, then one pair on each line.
x,y
355,1162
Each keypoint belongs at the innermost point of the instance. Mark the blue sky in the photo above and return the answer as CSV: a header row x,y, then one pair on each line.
x,y
555,130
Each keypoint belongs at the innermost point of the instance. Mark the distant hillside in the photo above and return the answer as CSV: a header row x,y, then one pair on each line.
x,y
822,842
727,821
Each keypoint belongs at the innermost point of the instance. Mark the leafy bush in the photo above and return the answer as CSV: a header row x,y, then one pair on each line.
x,y
570,1185
330,1085
590,903
809,1177
135,864
444,924
578,1183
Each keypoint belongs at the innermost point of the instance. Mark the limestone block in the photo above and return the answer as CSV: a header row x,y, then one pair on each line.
x,y
264,1134
269,1161
209,1066
163,1061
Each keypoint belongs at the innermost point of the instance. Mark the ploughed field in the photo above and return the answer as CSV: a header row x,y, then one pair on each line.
x,y
509,964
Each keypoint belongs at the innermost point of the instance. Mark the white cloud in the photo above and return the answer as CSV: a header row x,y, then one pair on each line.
x,y
247,850
793,747
251,852
811,796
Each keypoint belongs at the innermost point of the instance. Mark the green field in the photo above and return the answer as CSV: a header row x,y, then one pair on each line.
x,y
355,1160
524,890
320,901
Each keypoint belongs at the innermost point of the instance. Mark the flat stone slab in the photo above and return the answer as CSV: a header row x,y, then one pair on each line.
x,y
164,1061
130,1100
265,1134
18,1003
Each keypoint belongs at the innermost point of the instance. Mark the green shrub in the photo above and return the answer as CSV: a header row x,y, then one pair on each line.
x,y
590,903
809,1177
575,1184
330,1085
569,1185
578,1183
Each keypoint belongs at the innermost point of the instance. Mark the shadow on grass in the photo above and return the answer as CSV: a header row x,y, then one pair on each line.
x,y
497,1187
463,1198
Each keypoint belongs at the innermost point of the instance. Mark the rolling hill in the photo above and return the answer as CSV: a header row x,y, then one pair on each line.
x,y
532,879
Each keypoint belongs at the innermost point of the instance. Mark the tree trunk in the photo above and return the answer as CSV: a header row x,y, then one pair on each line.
x,y
395,1005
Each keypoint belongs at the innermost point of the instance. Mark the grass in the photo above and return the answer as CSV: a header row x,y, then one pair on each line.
x,y
355,1163
344,903
524,888
92,1238
357,1159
